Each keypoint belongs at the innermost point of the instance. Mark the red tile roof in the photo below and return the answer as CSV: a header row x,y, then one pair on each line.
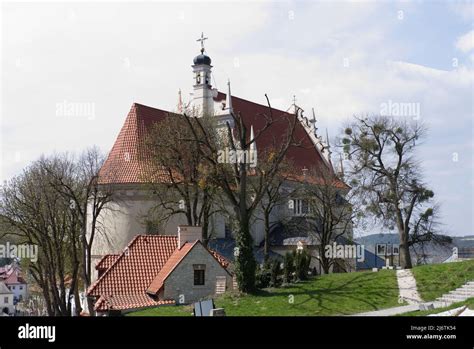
x,y
11,274
136,267
128,159
106,261
124,284
169,266
105,303
220,258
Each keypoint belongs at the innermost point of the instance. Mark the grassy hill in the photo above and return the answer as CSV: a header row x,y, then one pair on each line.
x,y
337,294
333,294
435,280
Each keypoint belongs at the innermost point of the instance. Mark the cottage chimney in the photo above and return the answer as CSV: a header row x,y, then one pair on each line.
x,y
187,233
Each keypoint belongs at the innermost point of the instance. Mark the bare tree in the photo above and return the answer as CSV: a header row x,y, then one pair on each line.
x,y
388,179
180,179
233,179
277,193
78,182
330,213
43,217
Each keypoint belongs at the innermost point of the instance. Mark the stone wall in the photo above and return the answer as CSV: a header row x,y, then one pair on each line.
x,y
180,284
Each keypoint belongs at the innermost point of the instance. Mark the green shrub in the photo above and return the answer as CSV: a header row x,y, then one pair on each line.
x,y
269,274
302,260
288,267
263,277
275,272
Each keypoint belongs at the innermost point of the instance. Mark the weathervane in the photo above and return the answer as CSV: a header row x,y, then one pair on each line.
x,y
201,39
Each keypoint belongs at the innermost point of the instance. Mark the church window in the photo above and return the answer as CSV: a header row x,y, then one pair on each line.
x,y
301,207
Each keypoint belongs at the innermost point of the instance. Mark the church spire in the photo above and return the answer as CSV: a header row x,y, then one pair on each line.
x,y
328,146
203,95
341,167
253,145
180,102
313,122
228,99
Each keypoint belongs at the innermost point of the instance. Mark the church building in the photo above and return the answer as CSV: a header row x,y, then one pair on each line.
x,y
128,159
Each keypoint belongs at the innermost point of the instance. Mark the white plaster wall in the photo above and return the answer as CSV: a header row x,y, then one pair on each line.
x,y
8,304
17,292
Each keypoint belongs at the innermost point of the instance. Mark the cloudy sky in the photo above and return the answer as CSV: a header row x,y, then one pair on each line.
x,y
340,58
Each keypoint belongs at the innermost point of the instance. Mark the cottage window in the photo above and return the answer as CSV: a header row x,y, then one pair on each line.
x,y
199,274
5,300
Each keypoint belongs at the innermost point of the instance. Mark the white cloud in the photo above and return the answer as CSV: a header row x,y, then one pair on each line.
x,y
465,43
114,56
464,9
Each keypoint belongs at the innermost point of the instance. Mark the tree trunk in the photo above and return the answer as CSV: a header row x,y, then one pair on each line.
x,y
405,258
266,246
205,228
325,264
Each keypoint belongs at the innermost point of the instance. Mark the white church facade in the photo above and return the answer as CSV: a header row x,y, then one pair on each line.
x,y
126,216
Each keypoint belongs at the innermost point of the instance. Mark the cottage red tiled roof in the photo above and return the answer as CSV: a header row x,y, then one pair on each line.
x,y
129,160
221,259
136,267
123,285
121,302
106,261
169,266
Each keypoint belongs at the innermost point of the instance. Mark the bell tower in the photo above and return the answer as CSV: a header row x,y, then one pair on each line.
x,y
203,94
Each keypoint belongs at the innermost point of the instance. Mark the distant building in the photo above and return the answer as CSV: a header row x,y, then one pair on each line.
x,y
371,260
11,276
158,270
6,300
299,234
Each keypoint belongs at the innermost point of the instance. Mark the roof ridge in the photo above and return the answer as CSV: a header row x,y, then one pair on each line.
x,y
157,235
216,254
168,273
260,104
106,272
147,106
120,256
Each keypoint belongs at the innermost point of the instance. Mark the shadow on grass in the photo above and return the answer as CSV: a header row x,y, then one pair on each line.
x,y
365,291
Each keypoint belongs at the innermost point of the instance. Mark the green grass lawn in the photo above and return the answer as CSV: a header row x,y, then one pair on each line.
x,y
165,310
333,294
435,280
469,302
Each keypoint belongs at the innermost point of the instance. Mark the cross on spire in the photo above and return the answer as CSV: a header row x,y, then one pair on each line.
x,y
201,39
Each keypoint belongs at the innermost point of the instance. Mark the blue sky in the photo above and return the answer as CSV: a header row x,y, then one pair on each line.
x,y
340,58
